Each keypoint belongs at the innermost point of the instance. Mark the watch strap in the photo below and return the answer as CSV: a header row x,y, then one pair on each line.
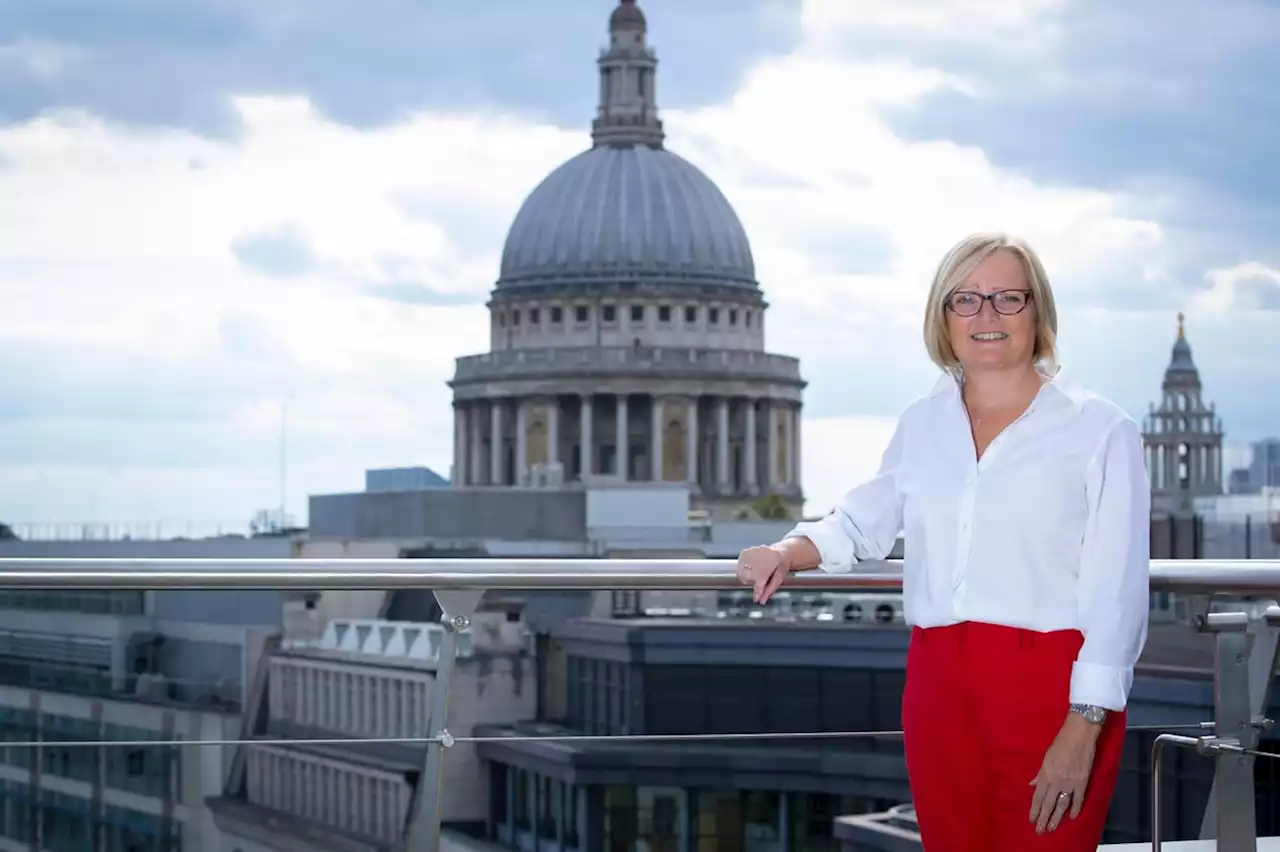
x,y
1092,714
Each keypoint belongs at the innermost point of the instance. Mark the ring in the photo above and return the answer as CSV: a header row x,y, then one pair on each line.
x,y
1063,795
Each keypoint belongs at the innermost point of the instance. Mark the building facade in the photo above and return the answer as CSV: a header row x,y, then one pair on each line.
x,y
145,676
352,705
627,327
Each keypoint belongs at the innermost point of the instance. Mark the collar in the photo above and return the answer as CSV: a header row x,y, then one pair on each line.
x,y
1065,384
1061,381
947,381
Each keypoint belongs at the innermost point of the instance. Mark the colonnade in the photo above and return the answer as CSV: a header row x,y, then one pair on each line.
x,y
723,444
1198,463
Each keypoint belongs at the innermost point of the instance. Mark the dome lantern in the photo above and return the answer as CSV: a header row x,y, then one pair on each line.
x,y
628,110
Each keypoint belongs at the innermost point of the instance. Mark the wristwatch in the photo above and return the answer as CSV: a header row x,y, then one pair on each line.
x,y
1091,714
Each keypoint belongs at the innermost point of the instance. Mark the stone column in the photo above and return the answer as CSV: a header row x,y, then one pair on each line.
x,y
586,440
622,439
796,420
655,439
522,443
775,475
722,443
691,442
790,452
459,475
553,431
474,456
495,442
752,448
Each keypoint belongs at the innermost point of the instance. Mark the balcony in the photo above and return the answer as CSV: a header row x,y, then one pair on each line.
x,y
609,361
1229,606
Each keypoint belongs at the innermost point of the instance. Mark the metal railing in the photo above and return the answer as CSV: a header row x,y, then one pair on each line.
x,y
1245,653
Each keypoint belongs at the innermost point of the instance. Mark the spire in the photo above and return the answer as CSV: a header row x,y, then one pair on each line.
x,y
628,110
1182,368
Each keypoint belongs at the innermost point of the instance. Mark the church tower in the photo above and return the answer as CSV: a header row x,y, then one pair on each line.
x,y
1183,436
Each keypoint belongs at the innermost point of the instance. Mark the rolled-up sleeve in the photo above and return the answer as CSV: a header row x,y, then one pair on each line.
x,y
866,522
1114,588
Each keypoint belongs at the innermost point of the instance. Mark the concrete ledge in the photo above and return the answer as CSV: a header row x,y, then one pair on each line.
x,y
1265,844
894,830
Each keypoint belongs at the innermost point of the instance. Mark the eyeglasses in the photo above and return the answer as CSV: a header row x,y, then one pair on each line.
x,y
964,303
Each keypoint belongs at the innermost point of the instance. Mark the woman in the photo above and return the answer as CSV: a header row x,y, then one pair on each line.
x,y
1024,505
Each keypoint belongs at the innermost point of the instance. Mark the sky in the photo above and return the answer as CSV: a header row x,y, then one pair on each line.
x,y
228,225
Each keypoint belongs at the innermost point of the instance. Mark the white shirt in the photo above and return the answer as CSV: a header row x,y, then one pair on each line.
x,y
1049,531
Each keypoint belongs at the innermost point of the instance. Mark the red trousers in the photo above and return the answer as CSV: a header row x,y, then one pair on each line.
x,y
981,706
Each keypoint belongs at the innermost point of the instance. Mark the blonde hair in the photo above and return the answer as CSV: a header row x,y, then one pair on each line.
x,y
958,264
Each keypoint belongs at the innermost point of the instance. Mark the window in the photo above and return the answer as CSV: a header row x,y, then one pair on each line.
x,y
637,313
77,762
652,818
597,695
515,317
713,316
664,313
548,807
609,313
569,815
557,314
534,316
523,819
580,313
620,829
810,818
146,770
690,314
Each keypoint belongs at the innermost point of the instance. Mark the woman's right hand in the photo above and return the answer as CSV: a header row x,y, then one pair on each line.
x,y
765,568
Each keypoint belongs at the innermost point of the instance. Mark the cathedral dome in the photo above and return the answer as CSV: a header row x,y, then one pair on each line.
x,y
626,211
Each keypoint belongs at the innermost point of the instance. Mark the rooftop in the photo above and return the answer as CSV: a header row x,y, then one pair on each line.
x,y
1245,634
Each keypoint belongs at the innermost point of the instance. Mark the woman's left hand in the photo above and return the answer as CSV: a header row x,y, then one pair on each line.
x,y
1064,774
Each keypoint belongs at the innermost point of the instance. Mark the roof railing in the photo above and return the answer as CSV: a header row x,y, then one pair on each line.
x,y
1245,653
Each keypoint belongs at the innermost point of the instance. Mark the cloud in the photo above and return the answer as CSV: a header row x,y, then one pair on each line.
x,y
1247,286
182,294
413,293
1163,98
280,252
848,452
181,64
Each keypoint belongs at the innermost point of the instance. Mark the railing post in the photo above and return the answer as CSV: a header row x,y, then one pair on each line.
x,y
424,832
1245,659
